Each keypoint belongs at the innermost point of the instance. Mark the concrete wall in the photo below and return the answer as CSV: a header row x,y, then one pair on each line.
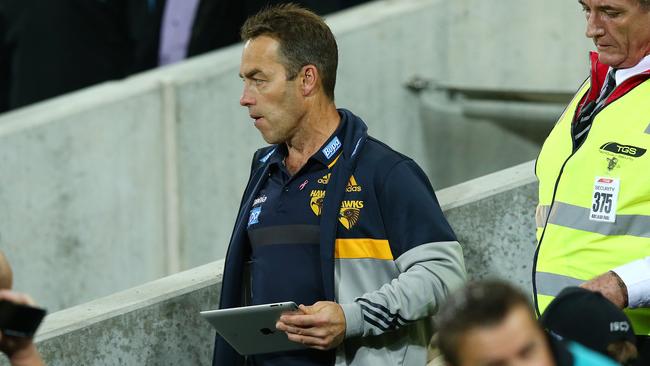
x,y
158,323
515,59
517,45
153,324
494,219
82,195
125,182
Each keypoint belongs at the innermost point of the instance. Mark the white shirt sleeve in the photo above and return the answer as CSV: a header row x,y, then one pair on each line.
x,y
636,276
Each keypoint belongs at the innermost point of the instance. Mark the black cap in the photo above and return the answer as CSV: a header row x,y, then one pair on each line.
x,y
588,318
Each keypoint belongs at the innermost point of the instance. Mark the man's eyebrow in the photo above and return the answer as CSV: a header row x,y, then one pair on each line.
x,y
606,7
250,74
600,7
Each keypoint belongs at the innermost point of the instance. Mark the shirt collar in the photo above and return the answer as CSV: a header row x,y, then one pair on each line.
x,y
327,154
333,146
624,74
278,154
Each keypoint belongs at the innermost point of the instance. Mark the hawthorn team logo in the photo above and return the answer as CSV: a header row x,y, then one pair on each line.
x,y
349,213
350,210
316,201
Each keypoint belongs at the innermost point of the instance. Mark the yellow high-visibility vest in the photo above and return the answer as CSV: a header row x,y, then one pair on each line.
x,y
573,247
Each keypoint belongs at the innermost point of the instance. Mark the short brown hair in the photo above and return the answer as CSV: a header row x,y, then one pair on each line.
x,y
304,39
479,304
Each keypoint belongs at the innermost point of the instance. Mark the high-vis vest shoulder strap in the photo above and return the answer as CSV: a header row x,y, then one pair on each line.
x,y
594,202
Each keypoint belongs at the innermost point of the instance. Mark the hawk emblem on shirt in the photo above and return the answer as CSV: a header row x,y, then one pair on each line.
x,y
349,217
317,197
316,204
349,213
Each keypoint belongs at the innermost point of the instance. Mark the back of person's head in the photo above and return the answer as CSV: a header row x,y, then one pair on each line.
x,y
6,275
304,39
588,318
500,317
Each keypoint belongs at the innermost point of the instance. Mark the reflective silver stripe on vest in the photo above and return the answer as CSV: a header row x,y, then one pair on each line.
x,y
541,214
551,284
647,129
577,217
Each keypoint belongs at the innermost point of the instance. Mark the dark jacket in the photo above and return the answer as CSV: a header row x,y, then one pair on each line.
x,y
374,266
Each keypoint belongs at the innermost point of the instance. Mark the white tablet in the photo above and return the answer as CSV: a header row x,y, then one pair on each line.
x,y
251,330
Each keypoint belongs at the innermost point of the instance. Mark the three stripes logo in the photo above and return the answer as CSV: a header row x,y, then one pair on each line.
x,y
380,316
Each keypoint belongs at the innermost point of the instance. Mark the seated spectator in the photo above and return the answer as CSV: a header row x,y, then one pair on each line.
x,y
6,276
49,48
168,31
492,323
20,351
590,319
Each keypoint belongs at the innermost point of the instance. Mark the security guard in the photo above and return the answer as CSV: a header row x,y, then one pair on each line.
x,y
593,218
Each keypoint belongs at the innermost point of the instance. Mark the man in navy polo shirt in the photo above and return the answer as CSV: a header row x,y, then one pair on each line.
x,y
331,218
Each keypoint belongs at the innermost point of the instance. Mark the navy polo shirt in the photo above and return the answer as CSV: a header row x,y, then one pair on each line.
x,y
284,233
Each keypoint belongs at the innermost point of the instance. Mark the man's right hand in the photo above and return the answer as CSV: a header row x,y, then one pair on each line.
x,y
21,351
320,326
610,285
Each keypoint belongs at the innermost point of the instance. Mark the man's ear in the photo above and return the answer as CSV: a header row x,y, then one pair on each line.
x,y
6,276
310,80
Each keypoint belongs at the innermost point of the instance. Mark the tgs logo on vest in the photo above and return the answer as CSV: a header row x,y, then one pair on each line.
x,y
627,150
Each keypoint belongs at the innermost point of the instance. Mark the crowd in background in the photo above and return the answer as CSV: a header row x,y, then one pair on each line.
x,y
48,48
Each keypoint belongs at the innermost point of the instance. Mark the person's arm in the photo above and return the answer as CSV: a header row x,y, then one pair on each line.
x,y
625,286
6,275
21,351
429,273
426,252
